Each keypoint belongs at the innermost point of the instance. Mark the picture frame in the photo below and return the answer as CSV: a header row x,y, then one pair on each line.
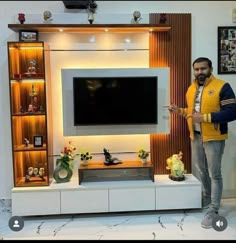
x,y
28,35
227,50
38,141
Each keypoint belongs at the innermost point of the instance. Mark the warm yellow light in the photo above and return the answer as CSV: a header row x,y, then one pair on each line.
x,y
27,48
28,80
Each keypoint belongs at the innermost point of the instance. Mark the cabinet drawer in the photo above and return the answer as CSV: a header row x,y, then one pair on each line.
x,y
84,201
180,197
35,203
131,199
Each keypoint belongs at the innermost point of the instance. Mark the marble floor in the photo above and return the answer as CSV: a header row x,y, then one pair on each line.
x,y
154,225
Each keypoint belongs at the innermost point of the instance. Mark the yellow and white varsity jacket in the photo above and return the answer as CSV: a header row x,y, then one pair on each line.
x,y
218,106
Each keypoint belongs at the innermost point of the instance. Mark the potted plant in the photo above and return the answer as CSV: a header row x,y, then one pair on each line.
x,y
64,164
143,155
85,156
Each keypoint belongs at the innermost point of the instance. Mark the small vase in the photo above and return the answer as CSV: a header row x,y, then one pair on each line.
x,y
84,162
21,18
144,161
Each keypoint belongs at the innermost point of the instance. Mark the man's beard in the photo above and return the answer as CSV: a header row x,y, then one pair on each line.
x,y
201,78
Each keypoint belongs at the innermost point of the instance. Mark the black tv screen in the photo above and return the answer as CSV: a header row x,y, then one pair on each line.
x,y
115,100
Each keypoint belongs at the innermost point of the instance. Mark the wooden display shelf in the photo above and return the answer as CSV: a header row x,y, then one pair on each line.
x,y
27,113
88,28
128,170
34,181
31,147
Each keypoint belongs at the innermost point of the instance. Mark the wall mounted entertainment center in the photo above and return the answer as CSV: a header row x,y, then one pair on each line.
x,y
112,196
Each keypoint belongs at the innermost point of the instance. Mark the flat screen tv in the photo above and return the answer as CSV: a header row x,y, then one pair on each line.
x,y
115,100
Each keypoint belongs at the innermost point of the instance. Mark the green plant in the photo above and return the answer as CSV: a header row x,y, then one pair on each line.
x,y
142,153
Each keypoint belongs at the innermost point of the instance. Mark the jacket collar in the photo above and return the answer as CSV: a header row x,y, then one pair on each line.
x,y
208,80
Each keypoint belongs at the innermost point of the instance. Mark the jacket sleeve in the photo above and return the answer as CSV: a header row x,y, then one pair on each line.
x,y
227,111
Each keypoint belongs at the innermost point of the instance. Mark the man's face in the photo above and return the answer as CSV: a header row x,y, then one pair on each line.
x,y
201,71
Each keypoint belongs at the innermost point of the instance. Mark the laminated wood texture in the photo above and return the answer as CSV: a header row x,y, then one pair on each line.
x,y
172,49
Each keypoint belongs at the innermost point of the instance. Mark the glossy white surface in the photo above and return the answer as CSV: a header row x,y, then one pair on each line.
x,y
107,196
152,225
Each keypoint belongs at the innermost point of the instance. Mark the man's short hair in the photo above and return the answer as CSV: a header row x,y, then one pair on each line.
x,y
203,59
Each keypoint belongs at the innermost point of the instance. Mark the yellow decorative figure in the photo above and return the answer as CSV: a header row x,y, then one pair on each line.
x,y
176,167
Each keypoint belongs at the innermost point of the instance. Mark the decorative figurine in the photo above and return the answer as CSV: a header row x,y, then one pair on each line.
x,y
31,67
22,109
109,160
137,16
30,171
34,106
26,141
47,17
163,19
30,108
176,167
41,108
41,171
34,172
21,18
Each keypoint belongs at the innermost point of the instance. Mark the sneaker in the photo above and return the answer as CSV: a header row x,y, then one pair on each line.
x,y
207,221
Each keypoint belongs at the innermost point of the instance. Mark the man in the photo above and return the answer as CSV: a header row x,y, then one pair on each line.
x,y
210,106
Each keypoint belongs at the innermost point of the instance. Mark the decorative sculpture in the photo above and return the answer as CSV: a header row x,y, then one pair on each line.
x,y
109,160
163,18
137,16
31,67
47,17
26,142
176,167
35,174
21,17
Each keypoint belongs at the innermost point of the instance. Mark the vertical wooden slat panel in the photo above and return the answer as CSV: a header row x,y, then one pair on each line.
x,y
172,49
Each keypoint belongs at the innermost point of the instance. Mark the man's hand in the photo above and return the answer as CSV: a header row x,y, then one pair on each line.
x,y
197,117
172,108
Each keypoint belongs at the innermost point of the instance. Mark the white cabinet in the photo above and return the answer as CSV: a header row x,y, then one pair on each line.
x,y
131,199
177,194
111,196
35,202
84,201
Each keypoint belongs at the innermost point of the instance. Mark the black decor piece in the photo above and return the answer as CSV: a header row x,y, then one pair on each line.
x,y
109,160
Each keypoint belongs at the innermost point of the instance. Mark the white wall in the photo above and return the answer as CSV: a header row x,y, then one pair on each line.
x,y
205,19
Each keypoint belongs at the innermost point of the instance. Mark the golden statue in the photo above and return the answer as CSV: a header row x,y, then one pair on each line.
x,y
176,167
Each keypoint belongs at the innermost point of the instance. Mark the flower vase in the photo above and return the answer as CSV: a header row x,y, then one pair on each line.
x,y
63,173
21,18
144,161
84,162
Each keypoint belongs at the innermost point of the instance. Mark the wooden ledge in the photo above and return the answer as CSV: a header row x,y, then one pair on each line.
x,y
90,28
